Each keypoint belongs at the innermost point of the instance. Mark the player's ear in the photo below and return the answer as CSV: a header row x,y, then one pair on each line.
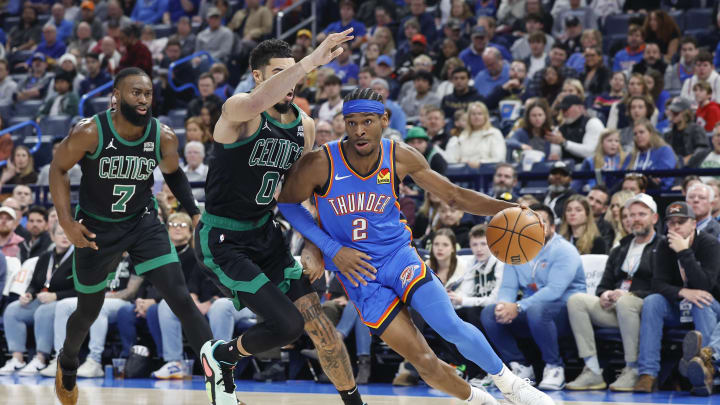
x,y
258,76
384,120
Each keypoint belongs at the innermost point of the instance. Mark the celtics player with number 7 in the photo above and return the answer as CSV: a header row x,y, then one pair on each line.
x,y
258,137
118,151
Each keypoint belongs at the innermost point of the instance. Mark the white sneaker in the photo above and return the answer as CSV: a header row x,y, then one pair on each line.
x,y
12,366
32,368
519,391
484,382
481,397
172,370
523,372
553,378
51,369
90,369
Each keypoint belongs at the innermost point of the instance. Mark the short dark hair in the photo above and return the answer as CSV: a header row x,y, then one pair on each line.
x,y
127,72
460,69
560,45
601,187
92,55
38,210
423,75
545,209
132,30
173,42
478,231
687,39
508,165
268,49
534,17
363,94
66,76
537,37
704,56
206,75
368,69
332,80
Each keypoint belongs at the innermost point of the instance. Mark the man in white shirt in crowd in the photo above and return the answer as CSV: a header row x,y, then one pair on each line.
x,y
195,169
704,71
334,103
578,135
700,198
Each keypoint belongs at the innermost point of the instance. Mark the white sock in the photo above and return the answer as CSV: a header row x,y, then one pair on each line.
x,y
593,364
503,380
472,394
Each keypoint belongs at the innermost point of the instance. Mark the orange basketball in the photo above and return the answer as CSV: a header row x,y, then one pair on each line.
x,y
515,236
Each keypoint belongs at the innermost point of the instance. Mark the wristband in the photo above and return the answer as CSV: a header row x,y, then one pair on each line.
x,y
301,219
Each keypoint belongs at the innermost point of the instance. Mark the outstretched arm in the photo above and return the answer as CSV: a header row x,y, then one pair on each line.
x,y
411,162
305,177
83,139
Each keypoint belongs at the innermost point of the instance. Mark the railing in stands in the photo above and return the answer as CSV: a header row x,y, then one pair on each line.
x,y
23,125
91,94
186,86
312,20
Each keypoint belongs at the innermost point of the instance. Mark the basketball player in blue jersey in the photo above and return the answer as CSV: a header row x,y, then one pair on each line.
x,y
362,236
258,138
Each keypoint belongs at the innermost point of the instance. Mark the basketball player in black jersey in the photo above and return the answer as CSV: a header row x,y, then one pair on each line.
x,y
257,139
118,151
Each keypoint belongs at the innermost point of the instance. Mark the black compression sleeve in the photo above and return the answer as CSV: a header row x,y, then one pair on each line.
x,y
178,183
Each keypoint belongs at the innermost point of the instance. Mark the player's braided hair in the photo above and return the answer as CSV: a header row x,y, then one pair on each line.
x,y
363,94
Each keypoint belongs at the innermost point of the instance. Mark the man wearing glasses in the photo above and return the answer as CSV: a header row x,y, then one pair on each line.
x,y
686,268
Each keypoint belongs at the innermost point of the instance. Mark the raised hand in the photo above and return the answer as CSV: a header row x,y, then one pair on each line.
x,y
353,264
327,50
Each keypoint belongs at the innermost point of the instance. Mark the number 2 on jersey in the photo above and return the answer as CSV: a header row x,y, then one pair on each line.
x,y
359,229
125,192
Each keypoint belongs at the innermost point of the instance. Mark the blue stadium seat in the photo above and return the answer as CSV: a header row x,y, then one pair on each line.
x,y
177,118
538,186
10,22
97,104
23,132
43,155
6,112
57,125
163,30
616,24
28,108
43,18
698,18
679,17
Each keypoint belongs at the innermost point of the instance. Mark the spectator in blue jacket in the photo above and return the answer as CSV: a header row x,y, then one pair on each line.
x,y
177,9
347,20
633,53
547,282
650,152
472,55
50,46
496,72
149,11
63,26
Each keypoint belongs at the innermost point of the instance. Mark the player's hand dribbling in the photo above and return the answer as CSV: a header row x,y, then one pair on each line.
x,y
327,50
78,235
353,264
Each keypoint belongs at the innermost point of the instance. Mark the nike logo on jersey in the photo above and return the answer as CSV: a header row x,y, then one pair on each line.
x,y
338,178
110,145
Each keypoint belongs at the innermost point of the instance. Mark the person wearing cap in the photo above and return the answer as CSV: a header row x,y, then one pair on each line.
x,y
64,102
452,30
576,14
579,134
9,239
685,136
686,267
347,20
398,119
35,84
559,189
304,38
426,19
57,19
547,282
652,59
149,11
708,111
216,39
496,72
68,63
522,49
419,139
625,58
421,95
700,197
27,33
472,55
463,94
618,299
93,15
404,61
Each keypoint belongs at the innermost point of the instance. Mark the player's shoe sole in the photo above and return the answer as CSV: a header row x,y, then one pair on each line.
x,y
64,396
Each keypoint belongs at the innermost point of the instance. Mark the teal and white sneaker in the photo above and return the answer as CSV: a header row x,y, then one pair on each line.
x,y
219,382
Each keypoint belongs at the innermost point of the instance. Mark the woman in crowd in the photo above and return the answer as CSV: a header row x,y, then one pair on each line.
x,y
479,143
655,82
651,152
579,227
619,114
613,214
590,38
383,37
596,76
51,281
446,87
20,169
641,108
460,10
608,156
537,122
661,28
369,57
443,256
221,74
551,84
426,215
604,102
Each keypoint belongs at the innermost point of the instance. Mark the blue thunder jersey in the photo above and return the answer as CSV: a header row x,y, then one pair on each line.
x,y
362,212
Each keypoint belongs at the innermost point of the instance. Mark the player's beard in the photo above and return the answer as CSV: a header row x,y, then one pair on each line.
x,y
133,117
284,106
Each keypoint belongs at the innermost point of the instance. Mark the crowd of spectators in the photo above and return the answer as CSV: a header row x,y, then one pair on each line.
x,y
494,86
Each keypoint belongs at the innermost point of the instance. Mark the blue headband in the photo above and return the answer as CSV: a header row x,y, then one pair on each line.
x,y
363,106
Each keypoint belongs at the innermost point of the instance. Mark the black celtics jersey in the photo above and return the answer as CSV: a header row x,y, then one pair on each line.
x,y
117,179
242,176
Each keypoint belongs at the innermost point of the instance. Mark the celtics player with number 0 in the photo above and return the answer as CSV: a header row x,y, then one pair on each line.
x,y
257,139
118,151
